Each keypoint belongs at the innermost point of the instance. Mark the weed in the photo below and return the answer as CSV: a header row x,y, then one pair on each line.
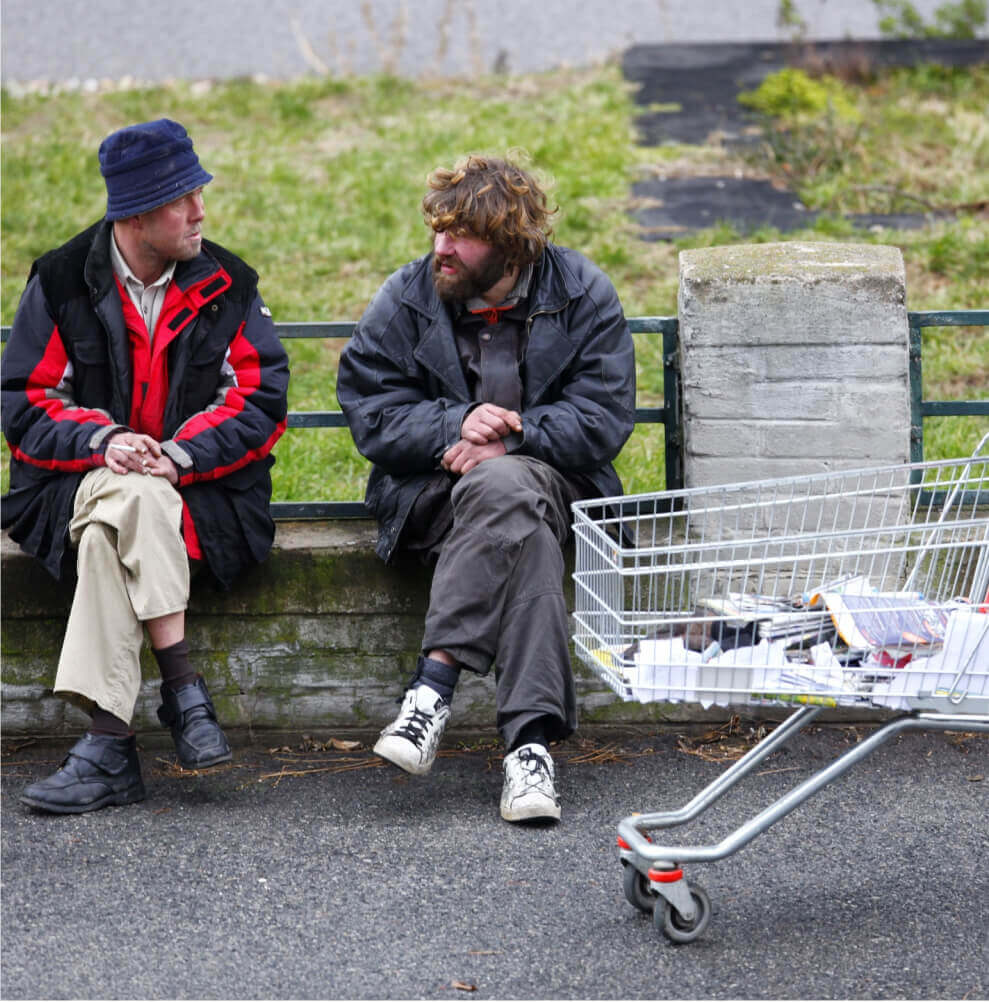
x,y
918,139
795,96
962,19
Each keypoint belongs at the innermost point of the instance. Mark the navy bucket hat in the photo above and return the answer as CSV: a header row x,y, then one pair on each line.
x,y
148,165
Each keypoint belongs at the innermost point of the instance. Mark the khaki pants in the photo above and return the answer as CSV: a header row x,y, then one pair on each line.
x,y
132,566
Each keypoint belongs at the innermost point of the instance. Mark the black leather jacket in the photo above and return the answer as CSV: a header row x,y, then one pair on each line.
x,y
402,387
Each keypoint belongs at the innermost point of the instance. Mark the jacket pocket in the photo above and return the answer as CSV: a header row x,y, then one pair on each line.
x,y
91,384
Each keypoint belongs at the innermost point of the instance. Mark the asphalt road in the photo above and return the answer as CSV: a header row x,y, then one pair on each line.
x,y
315,874
191,40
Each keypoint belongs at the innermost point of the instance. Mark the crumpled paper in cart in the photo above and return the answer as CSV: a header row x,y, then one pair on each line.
x,y
733,676
664,670
960,667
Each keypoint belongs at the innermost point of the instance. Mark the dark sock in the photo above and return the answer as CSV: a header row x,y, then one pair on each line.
x,y
105,722
534,732
173,663
441,677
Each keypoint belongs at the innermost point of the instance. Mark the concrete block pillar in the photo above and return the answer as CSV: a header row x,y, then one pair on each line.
x,y
794,359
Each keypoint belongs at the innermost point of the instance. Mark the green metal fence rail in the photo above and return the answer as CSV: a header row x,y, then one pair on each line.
x,y
920,408
668,415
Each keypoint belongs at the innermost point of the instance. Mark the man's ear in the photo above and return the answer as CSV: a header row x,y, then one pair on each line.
x,y
132,224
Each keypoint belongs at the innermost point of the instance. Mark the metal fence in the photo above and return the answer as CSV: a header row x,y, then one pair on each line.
x,y
669,415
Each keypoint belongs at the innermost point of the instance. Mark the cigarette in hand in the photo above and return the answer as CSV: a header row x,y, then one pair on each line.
x,y
130,448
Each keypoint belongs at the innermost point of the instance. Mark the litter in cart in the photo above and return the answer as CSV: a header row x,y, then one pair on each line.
x,y
861,588
854,654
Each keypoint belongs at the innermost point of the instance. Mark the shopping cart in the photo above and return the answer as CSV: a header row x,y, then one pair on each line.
x,y
864,588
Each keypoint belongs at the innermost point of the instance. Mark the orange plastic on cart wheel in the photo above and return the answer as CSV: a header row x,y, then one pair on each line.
x,y
665,876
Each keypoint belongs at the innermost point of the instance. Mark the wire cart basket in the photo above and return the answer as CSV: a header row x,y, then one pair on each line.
x,y
865,588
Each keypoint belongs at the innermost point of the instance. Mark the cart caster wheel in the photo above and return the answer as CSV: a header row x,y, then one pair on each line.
x,y
638,893
669,921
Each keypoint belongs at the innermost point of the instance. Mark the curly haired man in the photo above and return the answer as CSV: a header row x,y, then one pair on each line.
x,y
491,383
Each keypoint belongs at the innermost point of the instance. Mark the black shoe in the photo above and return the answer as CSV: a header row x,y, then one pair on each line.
x,y
99,771
189,712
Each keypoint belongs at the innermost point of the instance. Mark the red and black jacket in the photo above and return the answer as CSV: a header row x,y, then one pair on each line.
x,y
211,386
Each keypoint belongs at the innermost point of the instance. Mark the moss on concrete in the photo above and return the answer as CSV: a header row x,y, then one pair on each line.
x,y
323,636
805,262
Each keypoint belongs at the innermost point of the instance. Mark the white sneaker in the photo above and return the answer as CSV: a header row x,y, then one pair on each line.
x,y
411,739
529,793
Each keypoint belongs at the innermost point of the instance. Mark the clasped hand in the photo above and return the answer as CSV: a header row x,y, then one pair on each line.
x,y
481,433
128,451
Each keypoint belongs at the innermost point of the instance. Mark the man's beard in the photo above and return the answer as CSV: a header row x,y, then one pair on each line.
x,y
468,283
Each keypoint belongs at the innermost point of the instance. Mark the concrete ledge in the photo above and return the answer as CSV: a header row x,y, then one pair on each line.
x,y
323,635
794,359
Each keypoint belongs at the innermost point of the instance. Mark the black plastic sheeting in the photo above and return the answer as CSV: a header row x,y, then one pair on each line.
x,y
688,94
695,203
704,81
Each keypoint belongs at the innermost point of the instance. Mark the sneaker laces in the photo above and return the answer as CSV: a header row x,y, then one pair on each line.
x,y
414,723
534,768
415,727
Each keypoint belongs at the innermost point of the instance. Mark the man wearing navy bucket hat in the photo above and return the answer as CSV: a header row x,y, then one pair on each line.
x,y
144,387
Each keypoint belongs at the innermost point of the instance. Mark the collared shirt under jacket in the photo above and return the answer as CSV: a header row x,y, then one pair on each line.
x,y
210,385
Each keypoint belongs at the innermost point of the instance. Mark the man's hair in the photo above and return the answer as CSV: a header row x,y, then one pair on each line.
x,y
492,199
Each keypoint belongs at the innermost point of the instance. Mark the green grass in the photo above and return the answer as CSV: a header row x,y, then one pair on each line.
x,y
318,184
